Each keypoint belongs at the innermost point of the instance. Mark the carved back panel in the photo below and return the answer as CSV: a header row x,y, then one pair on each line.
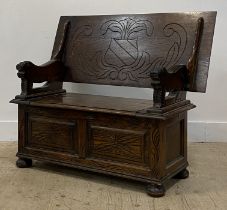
x,y
123,49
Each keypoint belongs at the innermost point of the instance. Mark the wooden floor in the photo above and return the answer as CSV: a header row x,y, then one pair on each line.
x,y
50,187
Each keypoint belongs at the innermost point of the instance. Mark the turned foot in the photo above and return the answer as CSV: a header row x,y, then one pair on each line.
x,y
156,190
182,174
24,163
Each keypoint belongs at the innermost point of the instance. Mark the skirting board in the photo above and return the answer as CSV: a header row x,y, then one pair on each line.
x,y
8,130
197,131
207,131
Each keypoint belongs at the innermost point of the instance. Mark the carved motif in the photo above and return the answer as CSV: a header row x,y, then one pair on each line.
x,y
178,47
26,86
117,144
82,31
123,59
154,155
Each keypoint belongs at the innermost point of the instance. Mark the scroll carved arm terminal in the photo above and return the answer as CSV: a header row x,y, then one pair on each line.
x,y
51,71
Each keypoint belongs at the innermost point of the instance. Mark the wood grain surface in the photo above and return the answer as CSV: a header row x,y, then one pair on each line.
x,y
94,102
130,138
125,49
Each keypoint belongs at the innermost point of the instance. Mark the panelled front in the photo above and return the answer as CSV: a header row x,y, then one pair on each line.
x,y
107,143
119,139
44,132
118,144
104,137
47,130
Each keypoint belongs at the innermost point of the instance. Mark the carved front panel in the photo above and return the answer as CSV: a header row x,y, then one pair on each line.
x,y
117,144
53,134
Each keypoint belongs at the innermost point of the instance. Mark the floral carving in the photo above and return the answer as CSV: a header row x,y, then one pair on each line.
x,y
127,27
125,58
122,60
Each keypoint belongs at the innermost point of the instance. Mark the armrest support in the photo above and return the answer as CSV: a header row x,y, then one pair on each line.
x,y
52,72
179,77
173,79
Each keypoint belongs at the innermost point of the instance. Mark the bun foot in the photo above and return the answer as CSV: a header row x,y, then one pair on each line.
x,y
24,163
156,190
182,174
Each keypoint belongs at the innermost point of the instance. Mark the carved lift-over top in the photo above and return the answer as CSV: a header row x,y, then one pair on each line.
x,y
169,52
124,49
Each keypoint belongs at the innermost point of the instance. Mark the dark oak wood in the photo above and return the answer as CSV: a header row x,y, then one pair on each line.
x,y
119,49
23,163
52,71
184,174
156,190
138,139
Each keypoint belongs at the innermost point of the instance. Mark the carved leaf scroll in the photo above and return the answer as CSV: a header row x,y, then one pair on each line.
x,y
123,59
127,27
154,155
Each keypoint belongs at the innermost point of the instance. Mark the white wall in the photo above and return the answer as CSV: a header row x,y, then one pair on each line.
x,y
27,31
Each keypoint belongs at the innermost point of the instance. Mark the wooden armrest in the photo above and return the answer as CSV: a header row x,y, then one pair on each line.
x,y
51,71
172,79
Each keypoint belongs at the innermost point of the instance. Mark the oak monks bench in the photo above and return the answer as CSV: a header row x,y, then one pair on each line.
x,y
144,140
